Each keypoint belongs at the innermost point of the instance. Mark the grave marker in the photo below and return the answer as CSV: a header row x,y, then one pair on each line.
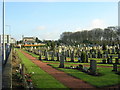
x,y
93,66
61,61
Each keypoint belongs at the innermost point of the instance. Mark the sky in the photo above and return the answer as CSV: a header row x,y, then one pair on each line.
x,y
48,20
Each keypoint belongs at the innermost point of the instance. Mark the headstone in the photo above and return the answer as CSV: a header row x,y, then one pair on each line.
x,y
115,67
93,66
119,55
108,51
98,54
89,56
79,59
86,58
113,51
58,56
72,56
117,60
61,61
93,55
52,56
111,59
46,55
108,60
104,61
40,58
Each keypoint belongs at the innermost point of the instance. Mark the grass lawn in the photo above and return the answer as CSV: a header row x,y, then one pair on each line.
x,y
40,78
108,78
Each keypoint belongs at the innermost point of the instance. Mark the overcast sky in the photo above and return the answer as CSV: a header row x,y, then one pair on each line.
x,y
47,20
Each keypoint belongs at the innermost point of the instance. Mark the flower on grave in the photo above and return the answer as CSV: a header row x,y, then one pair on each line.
x,y
29,80
27,75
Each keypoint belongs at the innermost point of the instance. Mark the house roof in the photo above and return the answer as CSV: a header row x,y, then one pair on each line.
x,y
28,37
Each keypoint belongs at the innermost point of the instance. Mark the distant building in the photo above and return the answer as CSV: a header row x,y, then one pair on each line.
x,y
7,39
13,41
29,40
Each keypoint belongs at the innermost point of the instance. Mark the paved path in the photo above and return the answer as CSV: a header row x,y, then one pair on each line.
x,y
67,80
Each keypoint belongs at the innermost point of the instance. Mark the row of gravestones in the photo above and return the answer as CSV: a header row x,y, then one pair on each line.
x,y
72,56
91,51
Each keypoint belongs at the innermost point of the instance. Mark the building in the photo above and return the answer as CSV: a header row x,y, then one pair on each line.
x,y
7,39
29,40
13,41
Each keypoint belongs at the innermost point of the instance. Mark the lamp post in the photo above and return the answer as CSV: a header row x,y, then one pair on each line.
x,y
4,56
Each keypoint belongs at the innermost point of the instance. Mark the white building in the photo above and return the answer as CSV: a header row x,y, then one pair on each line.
x,y
7,39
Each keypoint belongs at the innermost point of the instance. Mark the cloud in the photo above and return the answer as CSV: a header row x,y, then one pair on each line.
x,y
98,23
50,35
39,28
95,23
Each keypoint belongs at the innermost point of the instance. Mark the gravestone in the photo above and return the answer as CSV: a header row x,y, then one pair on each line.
x,y
108,60
99,54
93,55
111,59
89,56
52,56
40,57
117,50
108,51
86,58
46,55
119,55
72,56
115,67
117,60
93,66
61,61
58,56
104,61
113,51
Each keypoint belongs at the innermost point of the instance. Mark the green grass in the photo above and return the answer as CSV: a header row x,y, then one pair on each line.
x,y
108,78
40,78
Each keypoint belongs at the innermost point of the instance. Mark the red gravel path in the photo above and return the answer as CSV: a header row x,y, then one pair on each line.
x,y
67,80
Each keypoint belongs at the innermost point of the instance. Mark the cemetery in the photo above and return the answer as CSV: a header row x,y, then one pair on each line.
x,y
97,67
